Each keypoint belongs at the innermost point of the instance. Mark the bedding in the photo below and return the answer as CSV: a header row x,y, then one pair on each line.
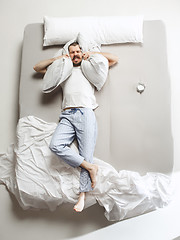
x,y
87,43
40,180
104,30
134,147
95,68
56,74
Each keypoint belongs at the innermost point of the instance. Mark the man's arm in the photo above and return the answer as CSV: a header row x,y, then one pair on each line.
x,y
41,67
112,59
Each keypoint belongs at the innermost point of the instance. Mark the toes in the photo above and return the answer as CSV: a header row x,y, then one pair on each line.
x,y
93,185
77,210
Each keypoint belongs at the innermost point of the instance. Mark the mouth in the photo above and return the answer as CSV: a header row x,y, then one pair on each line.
x,y
76,58
76,61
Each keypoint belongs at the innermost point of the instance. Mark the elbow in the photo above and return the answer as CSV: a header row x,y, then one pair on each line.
x,y
113,62
116,60
35,68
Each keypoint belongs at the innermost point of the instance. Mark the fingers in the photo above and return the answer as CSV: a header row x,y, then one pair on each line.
x,y
86,55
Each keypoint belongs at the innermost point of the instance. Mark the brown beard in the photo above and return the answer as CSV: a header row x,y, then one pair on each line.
x,y
77,64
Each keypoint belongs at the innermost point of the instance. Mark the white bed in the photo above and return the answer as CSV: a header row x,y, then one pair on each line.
x,y
134,134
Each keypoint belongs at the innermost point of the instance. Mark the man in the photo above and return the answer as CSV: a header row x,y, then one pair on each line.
x,y
77,120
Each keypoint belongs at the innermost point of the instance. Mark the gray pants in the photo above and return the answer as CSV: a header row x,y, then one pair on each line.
x,y
79,123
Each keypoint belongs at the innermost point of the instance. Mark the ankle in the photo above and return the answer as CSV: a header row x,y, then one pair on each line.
x,y
82,195
86,165
92,167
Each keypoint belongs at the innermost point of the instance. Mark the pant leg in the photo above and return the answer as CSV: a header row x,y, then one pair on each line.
x,y
86,137
62,139
82,125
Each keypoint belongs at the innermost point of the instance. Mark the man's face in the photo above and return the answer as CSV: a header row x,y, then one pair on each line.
x,y
75,55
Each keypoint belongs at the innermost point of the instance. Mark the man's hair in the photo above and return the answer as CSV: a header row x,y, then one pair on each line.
x,y
74,44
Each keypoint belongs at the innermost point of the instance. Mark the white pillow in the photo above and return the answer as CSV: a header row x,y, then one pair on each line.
x,y
86,44
95,69
57,73
104,30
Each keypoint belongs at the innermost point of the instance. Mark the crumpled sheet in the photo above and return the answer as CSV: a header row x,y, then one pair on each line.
x,y
40,180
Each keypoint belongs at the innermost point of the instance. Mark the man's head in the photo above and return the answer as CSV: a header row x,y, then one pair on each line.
x,y
75,53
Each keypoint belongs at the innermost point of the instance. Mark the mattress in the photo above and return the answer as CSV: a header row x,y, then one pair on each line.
x,y
134,150
134,129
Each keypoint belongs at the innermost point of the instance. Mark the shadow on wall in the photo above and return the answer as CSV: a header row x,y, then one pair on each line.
x,y
76,223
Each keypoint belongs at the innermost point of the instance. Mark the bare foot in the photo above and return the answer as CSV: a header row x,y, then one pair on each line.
x,y
80,204
93,172
92,169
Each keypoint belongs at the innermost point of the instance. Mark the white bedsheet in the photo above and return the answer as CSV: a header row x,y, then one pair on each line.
x,y
39,179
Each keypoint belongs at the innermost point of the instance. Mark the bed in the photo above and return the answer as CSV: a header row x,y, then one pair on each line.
x,y
134,122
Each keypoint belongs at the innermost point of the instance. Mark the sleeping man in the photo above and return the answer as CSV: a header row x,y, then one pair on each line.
x,y
77,120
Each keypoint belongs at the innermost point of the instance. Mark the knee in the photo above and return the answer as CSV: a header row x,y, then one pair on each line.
x,y
56,148
53,146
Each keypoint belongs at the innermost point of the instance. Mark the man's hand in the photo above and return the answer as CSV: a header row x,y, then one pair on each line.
x,y
86,55
112,59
